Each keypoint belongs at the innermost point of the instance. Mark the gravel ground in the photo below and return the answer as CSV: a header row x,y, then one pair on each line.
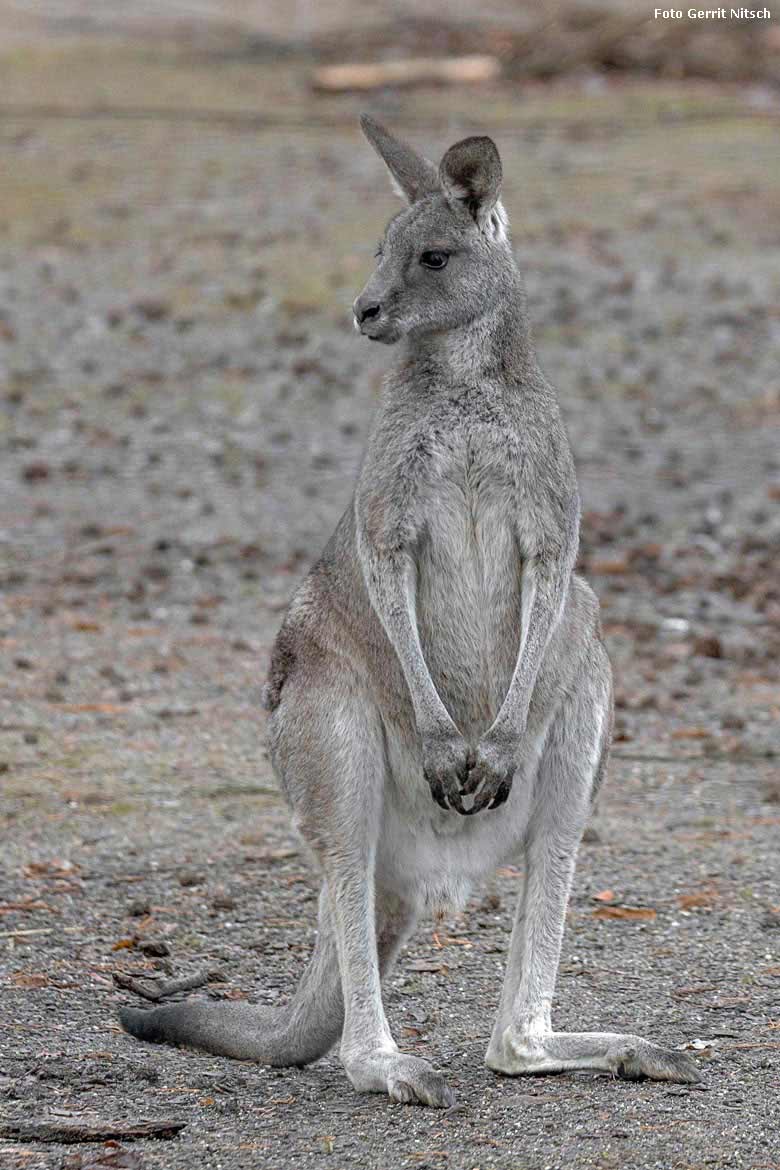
x,y
182,411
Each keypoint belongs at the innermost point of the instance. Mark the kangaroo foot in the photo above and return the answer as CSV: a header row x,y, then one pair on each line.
x,y
404,1078
626,1056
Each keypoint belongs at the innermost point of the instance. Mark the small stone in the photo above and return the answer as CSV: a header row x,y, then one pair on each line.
x,y
35,472
154,948
139,908
770,790
708,646
189,877
223,902
152,309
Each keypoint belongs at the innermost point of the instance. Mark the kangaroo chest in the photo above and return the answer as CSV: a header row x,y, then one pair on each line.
x,y
468,580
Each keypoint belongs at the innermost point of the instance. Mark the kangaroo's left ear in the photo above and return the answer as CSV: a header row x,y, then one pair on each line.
x,y
412,176
470,175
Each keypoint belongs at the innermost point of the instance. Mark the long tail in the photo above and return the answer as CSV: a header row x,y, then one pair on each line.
x,y
295,1035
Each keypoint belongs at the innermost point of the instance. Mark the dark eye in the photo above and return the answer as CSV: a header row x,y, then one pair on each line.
x,y
434,259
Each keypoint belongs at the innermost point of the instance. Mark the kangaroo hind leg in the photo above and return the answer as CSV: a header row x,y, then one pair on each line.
x,y
330,751
523,1039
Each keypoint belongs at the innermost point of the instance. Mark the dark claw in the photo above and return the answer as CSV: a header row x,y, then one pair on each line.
x,y
462,775
457,803
503,792
470,784
492,797
482,800
437,792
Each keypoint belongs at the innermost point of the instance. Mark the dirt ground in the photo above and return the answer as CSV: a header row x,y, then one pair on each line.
x,y
182,411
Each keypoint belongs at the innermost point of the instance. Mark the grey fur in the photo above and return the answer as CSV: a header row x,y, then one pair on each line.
x,y
441,698
412,175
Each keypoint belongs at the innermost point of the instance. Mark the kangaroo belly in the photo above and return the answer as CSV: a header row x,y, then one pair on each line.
x,y
469,601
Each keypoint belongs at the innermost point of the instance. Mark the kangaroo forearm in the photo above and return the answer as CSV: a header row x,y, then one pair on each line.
x,y
389,581
428,707
540,618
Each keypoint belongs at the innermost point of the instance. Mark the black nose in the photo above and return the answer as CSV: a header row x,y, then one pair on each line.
x,y
366,312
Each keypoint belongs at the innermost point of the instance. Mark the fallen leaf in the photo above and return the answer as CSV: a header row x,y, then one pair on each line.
x,y
605,896
427,965
99,708
691,733
30,979
632,913
609,566
448,940
123,944
55,868
700,1045
27,905
695,901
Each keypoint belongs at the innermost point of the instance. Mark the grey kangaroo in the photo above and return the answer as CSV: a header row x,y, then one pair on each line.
x,y
440,697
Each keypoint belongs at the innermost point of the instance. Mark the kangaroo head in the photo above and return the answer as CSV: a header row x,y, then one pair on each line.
x,y
445,259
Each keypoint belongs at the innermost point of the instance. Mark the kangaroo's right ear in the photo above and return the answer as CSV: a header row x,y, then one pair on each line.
x,y
470,175
412,175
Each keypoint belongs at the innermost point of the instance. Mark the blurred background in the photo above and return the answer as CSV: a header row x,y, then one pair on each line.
x,y
187,209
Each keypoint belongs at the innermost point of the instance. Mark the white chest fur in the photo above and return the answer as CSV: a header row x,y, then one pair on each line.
x,y
468,583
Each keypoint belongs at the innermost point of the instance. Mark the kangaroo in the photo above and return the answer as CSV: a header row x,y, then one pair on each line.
x,y
440,696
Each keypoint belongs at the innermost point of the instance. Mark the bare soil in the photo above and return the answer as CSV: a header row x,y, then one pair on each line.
x,y
182,411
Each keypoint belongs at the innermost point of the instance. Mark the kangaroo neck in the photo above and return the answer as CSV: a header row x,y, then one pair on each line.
x,y
494,346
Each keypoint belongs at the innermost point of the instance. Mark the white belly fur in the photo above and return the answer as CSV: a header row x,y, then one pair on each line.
x,y
433,857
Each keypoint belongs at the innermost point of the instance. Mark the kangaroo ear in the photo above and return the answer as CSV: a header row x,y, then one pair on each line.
x,y
412,175
470,174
